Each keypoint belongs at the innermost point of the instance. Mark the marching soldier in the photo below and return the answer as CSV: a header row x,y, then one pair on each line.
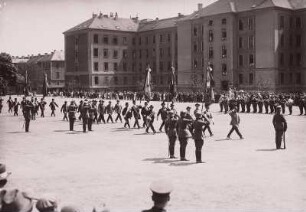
x,y
280,126
109,110
248,104
118,110
184,133
64,110
266,104
144,114
42,105
209,119
127,114
10,104
235,121
198,136
52,106
80,109
197,109
27,114
289,104
161,190
72,109
271,104
101,110
171,131
85,114
254,103
92,111
243,99
163,113
16,107
150,119
1,105
136,114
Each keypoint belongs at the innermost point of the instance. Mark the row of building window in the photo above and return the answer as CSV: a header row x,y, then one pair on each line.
x,y
241,79
211,35
251,60
298,40
282,22
298,59
251,42
298,78
223,52
242,24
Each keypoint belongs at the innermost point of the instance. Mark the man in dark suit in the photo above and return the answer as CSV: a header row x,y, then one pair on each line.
x,y
280,126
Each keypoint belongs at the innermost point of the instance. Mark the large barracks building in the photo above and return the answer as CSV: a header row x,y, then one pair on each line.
x,y
251,44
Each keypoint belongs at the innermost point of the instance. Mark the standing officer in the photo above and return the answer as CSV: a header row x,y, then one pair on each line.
x,y
52,106
27,114
260,103
209,118
197,109
136,114
161,190
101,110
235,121
163,113
289,104
150,119
280,126
92,111
127,114
85,114
64,110
42,105
16,107
109,110
171,131
118,110
144,114
198,136
184,133
72,108
10,104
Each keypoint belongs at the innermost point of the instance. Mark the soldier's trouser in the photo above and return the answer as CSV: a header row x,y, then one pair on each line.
x,y
267,108
52,113
162,125
172,140
221,107
248,106
242,107
207,126
127,122
144,118
118,117
150,125
85,121
90,120
101,117
234,127
278,138
183,144
290,109
136,123
283,109
271,108
110,118
27,125
260,108
198,151
1,109
225,108
254,107
71,123
42,114
238,107
15,112
65,116
304,109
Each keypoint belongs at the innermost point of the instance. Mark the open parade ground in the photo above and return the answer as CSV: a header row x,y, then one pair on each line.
x,y
115,166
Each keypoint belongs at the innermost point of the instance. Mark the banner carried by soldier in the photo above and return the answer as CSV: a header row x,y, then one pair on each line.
x,y
210,82
147,84
173,87
45,85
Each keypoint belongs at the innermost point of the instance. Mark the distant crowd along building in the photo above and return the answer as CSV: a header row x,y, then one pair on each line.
x,y
36,66
251,44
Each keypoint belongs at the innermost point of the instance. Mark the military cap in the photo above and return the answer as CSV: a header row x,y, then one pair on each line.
x,y
146,103
197,104
126,103
278,107
65,102
188,108
161,188
151,106
3,173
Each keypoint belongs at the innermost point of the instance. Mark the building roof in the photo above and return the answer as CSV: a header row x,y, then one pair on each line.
x,y
108,23
16,60
233,6
53,56
58,56
158,24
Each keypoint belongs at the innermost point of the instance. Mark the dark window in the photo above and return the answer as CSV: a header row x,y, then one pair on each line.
x,y
116,80
251,79
169,37
240,43
160,38
134,54
195,31
140,67
223,20
224,69
298,78
290,78
291,40
124,53
139,40
96,52
240,24
153,52
147,53
298,40
96,38
147,40
115,54
161,66
76,41
115,66
298,59
124,40
251,59
202,46
96,80
125,81
282,78
140,53
134,41
105,53
282,40
202,30
281,59
281,22
195,47
96,66
224,34
115,40
291,58
240,78
211,53
124,67
224,52
105,66
57,75
210,36
251,23
133,67
161,80
105,39
195,63
210,22
298,22
153,38
161,52
169,51
176,36
240,60
251,42
291,22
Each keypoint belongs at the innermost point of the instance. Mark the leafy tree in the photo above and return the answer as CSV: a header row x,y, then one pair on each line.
x,y
8,72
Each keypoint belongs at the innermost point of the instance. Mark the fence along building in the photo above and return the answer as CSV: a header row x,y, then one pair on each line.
x,y
252,44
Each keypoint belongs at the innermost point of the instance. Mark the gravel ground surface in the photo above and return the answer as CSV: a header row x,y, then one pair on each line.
x,y
115,166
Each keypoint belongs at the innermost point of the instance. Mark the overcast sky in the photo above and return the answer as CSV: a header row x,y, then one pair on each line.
x,y
37,26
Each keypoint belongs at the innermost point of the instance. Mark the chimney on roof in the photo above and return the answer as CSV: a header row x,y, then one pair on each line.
x,y
111,15
180,15
156,19
94,15
116,16
100,15
200,6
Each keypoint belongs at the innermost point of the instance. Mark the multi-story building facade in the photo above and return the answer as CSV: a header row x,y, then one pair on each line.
x,y
34,67
251,44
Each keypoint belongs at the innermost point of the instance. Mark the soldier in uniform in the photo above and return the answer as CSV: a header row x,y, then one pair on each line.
x,y
27,114
118,110
282,102
225,103
266,104
221,103
198,136
109,110
163,112
85,114
3,176
171,131
209,119
271,104
16,107
161,190
150,119
92,111
260,104
289,104
10,104
1,105
243,101
64,110
101,110
235,121
72,109
197,109
80,109
280,126
42,105
254,103
184,133
135,112
53,106
248,104
144,113
127,114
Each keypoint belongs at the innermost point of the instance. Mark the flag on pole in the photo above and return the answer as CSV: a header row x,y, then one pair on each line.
x,y
210,82
45,85
147,84
173,87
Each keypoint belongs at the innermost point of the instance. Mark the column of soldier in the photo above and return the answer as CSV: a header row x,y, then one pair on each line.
x,y
15,200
